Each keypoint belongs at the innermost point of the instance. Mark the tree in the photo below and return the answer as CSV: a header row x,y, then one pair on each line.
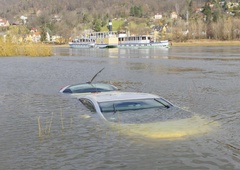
x,y
43,34
136,11
225,7
207,12
217,11
97,25
86,18
190,5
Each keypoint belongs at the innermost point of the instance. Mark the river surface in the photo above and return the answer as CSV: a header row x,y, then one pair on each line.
x,y
205,80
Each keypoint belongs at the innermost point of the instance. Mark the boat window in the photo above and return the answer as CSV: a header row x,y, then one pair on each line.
x,y
88,104
121,39
143,38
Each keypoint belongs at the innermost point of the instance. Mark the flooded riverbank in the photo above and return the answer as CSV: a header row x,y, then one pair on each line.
x,y
207,43
204,80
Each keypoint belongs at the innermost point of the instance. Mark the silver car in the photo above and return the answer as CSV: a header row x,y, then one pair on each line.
x,y
144,114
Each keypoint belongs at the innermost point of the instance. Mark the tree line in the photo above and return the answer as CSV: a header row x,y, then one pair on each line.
x,y
69,18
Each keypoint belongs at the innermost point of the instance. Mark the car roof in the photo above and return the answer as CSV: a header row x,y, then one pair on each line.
x,y
91,85
116,96
85,86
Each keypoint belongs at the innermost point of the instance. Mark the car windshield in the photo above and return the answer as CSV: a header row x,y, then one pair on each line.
x,y
86,88
141,111
147,115
113,106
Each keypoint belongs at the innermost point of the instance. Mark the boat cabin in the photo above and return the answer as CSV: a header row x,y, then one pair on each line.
x,y
83,40
135,39
110,34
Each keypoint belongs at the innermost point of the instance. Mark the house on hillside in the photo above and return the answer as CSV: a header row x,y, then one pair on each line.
x,y
232,5
33,30
36,37
173,15
57,39
33,37
158,16
56,18
4,22
198,10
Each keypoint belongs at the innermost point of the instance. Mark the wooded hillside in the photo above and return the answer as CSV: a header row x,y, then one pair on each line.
x,y
70,17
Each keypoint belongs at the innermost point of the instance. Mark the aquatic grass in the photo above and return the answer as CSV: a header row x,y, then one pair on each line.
x,y
61,120
50,124
71,120
47,130
45,126
25,49
36,50
39,128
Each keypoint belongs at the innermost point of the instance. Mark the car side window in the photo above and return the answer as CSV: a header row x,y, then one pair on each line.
x,y
88,104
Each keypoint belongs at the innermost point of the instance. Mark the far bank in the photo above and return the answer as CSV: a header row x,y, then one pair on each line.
x,y
206,42
202,42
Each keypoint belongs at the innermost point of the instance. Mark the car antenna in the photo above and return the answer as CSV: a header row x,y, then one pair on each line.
x,y
114,109
95,75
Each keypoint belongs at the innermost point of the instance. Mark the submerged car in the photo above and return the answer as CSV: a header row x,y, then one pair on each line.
x,y
86,88
144,114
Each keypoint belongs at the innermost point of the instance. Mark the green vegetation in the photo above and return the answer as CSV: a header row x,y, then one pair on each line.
x,y
116,25
136,11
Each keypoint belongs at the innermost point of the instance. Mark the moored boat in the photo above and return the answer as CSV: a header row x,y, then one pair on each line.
x,y
114,39
141,41
84,42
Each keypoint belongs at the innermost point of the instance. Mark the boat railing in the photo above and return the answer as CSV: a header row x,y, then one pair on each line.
x,y
109,34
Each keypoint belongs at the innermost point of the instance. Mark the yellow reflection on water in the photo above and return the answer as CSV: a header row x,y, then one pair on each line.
x,y
172,129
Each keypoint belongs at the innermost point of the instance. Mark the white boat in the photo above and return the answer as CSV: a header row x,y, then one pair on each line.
x,y
114,39
84,42
141,41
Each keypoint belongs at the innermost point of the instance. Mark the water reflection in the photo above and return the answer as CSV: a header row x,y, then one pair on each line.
x,y
158,53
174,53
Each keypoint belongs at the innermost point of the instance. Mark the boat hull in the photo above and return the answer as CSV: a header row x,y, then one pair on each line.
x,y
161,44
106,46
78,45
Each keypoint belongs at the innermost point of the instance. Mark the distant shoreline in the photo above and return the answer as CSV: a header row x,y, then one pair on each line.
x,y
201,42
206,42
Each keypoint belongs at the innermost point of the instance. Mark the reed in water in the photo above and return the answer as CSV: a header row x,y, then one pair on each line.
x,y
8,48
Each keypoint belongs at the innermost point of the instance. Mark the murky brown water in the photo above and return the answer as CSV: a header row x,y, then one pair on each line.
x,y
205,80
